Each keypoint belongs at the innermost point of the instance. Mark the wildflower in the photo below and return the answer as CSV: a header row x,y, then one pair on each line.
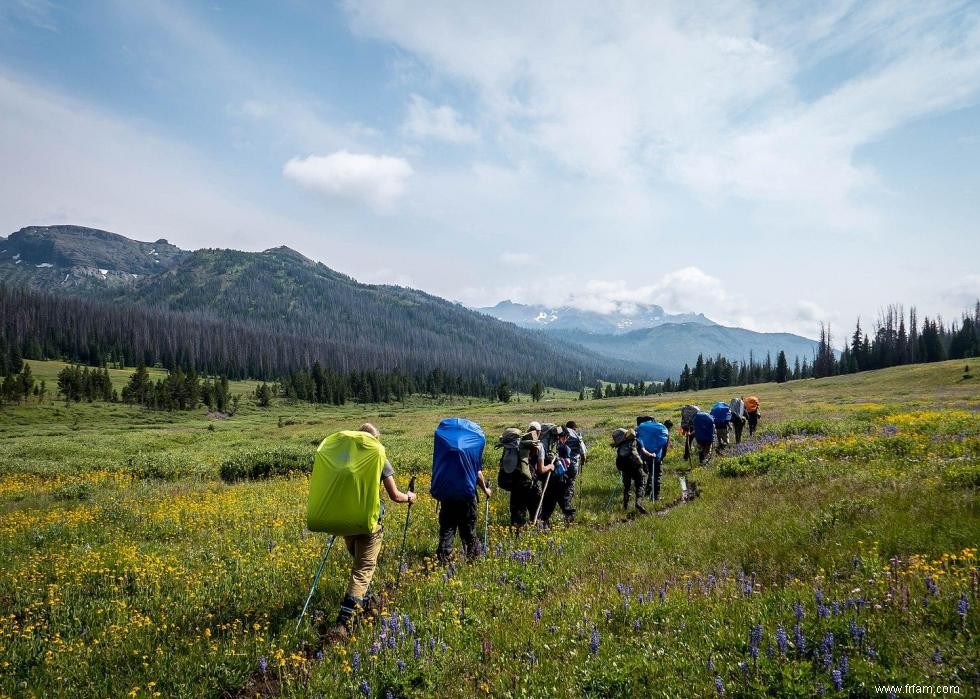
x,y
365,688
389,694
537,614
937,657
962,607
836,608
931,585
781,640
800,640
719,686
711,664
798,610
432,645
594,645
844,666
744,667
608,615
770,651
355,661
417,649
819,596
552,629
837,679
319,655
819,689
532,658
263,664
400,665
636,625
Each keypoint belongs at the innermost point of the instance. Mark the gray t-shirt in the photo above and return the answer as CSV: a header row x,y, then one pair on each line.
x,y
387,471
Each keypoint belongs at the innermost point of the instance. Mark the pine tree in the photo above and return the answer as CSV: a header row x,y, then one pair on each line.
x,y
504,393
537,390
782,369
597,391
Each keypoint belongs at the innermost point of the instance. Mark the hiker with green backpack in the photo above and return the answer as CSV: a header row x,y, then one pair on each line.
x,y
345,500
521,460
630,465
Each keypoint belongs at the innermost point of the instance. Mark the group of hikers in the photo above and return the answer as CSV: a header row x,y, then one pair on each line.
x,y
539,466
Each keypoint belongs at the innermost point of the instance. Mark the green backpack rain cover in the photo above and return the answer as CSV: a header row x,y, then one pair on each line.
x,y
345,490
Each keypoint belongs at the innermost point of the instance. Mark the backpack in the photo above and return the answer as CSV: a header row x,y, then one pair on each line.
x,y
515,458
653,436
687,417
345,487
457,456
574,443
721,413
751,404
737,407
627,455
704,427
549,438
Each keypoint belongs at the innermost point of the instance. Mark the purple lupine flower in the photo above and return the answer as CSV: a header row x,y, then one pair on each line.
x,y
389,694
871,653
781,640
537,614
392,641
798,610
747,588
835,607
818,594
931,585
719,686
852,627
889,430
594,644
532,658
837,679
608,614
800,639
365,688
770,651
552,629
711,664
822,611
828,642
375,648
820,690
937,657
319,656
417,649
620,587
636,625
962,607
663,593
844,666
443,647
393,622
263,664
355,661
744,667
400,665
432,645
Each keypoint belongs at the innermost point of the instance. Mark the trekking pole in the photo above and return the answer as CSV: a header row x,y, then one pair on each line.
x,y
316,579
486,529
541,501
401,559
613,492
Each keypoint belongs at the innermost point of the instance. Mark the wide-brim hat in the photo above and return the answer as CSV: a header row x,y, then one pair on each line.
x,y
619,435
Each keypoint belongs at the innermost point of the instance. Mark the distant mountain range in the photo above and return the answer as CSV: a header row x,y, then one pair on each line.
x,y
280,296
650,336
639,316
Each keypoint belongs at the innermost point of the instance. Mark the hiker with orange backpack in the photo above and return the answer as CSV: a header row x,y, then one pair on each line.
x,y
343,503
752,413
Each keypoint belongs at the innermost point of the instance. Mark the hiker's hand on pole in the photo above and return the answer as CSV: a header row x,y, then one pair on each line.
x,y
487,491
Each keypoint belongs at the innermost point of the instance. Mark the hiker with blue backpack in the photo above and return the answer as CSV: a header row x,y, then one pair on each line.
x,y
721,413
703,431
653,438
457,471
345,500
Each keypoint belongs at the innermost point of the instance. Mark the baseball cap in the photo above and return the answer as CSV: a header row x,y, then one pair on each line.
x,y
534,426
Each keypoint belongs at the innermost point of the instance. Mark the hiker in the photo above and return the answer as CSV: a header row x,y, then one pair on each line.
x,y
522,459
669,424
651,437
703,432
737,406
576,445
457,470
630,465
752,413
722,415
561,485
364,549
687,428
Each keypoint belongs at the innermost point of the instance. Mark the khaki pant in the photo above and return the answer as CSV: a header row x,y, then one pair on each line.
x,y
365,549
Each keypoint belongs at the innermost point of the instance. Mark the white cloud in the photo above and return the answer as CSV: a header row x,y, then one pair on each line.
x,y
442,123
708,98
963,294
376,180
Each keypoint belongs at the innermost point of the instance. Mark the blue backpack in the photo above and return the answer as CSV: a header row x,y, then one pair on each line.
x,y
704,427
457,456
653,436
721,413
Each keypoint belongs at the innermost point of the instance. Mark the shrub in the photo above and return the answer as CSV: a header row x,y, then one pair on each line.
x,y
758,463
265,463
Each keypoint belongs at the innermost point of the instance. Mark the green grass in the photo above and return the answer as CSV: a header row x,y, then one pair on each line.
x,y
130,567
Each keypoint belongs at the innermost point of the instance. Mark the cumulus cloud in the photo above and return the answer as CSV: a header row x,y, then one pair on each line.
x,y
442,123
375,180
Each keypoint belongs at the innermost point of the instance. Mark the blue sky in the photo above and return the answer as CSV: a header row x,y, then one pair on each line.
x,y
769,164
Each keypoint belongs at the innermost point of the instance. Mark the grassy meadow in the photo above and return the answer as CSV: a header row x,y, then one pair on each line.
x,y
164,554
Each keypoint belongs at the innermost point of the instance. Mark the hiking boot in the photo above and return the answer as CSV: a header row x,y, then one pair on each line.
x,y
641,509
336,634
